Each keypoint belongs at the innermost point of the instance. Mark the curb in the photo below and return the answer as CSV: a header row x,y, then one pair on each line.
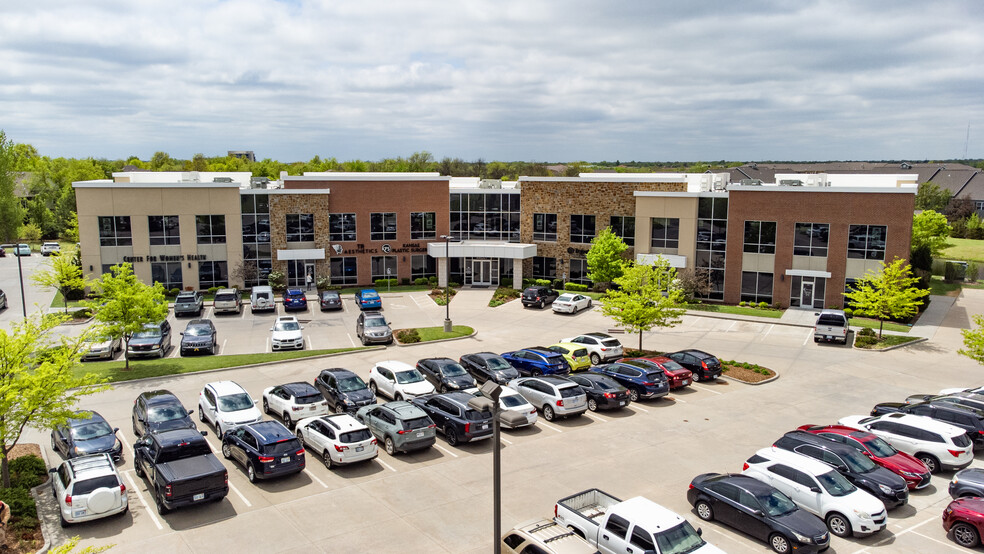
x,y
893,347
398,343
735,317
36,494
762,382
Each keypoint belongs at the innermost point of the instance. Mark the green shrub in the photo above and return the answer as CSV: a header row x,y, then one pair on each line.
x,y
277,281
382,283
20,501
175,291
849,313
576,287
432,281
866,332
541,282
557,284
82,313
454,285
213,290
939,266
408,336
420,281
865,340
742,303
972,270
323,282
27,471
763,305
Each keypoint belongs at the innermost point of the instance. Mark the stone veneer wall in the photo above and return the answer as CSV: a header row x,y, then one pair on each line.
x,y
283,204
600,199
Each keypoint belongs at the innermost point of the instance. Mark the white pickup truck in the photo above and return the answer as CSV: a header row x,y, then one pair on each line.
x,y
831,326
634,526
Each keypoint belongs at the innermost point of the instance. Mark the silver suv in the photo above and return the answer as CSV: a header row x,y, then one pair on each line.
x,y
372,328
87,488
189,302
399,425
555,396
227,300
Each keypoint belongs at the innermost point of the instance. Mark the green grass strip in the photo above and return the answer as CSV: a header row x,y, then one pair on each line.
x,y
889,340
735,310
437,333
873,324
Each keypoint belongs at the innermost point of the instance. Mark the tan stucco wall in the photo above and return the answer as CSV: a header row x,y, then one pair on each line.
x,y
682,208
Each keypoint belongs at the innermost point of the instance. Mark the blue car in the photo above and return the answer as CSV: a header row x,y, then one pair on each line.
x,y
294,300
368,299
642,379
537,361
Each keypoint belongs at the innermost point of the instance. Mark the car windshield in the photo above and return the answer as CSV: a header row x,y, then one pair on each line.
x,y
92,430
776,503
350,384
235,402
879,448
159,414
375,322
100,338
836,484
565,298
512,401
409,376
611,342
857,462
496,364
313,398
148,333
287,326
679,540
570,392
453,370
198,331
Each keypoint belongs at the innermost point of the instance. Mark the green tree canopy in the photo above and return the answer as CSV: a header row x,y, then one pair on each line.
x,y
973,340
931,229
886,294
126,304
11,211
930,196
647,296
63,275
605,261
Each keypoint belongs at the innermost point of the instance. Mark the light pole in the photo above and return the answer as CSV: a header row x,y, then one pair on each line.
x,y
20,272
447,283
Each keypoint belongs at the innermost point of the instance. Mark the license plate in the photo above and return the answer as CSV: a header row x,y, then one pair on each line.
x,y
686,381
78,513
420,434
621,403
359,448
285,459
485,426
197,497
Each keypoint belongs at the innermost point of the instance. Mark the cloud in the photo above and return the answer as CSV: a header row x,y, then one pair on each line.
x,y
527,80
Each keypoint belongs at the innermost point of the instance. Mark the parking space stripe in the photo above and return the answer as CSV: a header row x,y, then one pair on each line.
x,y
596,417
505,440
940,542
705,388
243,498
242,314
350,338
896,535
676,399
733,323
315,477
445,450
387,466
140,497
223,345
307,340
123,440
808,335
267,348
634,407
551,427
771,327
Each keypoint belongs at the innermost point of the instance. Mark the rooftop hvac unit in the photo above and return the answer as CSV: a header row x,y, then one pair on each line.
x,y
791,183
189,177
706,182
751,182
490,184
719,183
221,179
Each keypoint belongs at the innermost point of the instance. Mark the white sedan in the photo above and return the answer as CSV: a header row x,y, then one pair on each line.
x,y
338,438
570,303
294,401
286,334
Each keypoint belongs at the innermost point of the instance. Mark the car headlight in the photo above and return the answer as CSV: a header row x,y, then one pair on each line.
x,y
954,481
77,450
862,514
117,445
884,489
155,347
802,538
915,475
453,385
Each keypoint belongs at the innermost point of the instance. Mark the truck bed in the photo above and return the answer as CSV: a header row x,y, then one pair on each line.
x,y
589,504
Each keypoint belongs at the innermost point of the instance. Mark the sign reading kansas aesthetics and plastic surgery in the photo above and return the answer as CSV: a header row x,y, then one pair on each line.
x,y
386,249
178,258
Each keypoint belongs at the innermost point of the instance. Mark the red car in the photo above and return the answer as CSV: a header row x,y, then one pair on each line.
x,y
676,374
915,473
965,517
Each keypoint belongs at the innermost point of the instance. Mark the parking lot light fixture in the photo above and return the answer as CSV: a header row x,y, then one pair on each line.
x,y
448,327
489,402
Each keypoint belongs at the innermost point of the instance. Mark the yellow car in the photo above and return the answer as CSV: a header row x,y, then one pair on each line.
x,y
575,355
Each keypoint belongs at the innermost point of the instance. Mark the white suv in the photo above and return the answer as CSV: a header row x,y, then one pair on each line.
x,y
286,334
338,438
601,347
225,405
49,248
937,444
398,380
820,490
87,488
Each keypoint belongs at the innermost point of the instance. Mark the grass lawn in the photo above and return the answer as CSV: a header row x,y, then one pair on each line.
x,y
737,310
939,288
889,340
437,333
964,249
383,290
873,324
140,369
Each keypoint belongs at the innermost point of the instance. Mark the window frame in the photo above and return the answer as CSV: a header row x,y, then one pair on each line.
x,y
544,234
423,227
618,224
299,234
347,219
385,259
383,219
583,221
167,236
115,230
344,278
760,231
812,249
211,223
867,253
666,239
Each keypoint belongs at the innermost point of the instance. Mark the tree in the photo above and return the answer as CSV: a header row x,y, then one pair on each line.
x,y
126,304
959,208
30,232
605,261
647,296
11,211
38,386
694,283
930,229
64,275
973,340
930,196
887,294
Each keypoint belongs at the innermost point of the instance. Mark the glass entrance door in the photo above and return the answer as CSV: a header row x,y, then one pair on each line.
x,y
806,295
481,272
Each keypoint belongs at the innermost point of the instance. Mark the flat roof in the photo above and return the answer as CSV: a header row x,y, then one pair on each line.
x,y
107,184
368,177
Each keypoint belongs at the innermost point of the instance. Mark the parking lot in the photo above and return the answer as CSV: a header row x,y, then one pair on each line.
x,y
440,500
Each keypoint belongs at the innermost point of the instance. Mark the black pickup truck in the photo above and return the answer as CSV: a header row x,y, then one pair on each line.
x,y
180,469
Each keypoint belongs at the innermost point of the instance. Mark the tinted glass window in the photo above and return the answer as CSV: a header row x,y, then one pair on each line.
x,y
618,526
88,485
642,539
835,484
157,414
416,423
777,503
726,490
309,399
962,441
355,436
513,540
288,446
570,392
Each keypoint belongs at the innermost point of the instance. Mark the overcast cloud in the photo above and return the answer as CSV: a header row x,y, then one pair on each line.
x,y
526,80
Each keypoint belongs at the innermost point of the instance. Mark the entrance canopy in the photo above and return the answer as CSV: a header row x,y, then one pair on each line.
x,y
301,254
481,249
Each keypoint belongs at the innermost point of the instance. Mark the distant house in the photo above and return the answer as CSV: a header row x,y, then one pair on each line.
x,y
247,155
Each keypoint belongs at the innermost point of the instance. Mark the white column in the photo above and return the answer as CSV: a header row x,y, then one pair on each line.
x,y
518,274
442,272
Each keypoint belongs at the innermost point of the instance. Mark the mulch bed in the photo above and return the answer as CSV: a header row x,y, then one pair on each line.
x,y
747,375
25,541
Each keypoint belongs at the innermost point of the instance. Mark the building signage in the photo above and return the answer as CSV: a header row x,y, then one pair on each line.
x,y
578,251
178,258
386,249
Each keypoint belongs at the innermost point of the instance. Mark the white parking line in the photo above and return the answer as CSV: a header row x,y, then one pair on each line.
x,y
596,417
123,440
771,327
939,542
350,339
243,498
224,341
634,407
678,399
267,348
242,314
705,388
551,427
387,466
896,535
733,323
808,335
315,477
307,340
505,440
445,450
136,490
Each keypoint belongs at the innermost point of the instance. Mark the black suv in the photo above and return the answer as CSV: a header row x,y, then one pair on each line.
x,y
345,391
159,410
857,468
453,417
266,449
199,336
539,296
488,365
445,374
967,418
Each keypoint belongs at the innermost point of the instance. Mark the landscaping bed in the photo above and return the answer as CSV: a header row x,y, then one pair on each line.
x,y
503,295
442,297
866,339
425,334
736,310
27,470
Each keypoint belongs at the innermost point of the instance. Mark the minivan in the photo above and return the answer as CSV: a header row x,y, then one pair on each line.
x,y
262,300
227,300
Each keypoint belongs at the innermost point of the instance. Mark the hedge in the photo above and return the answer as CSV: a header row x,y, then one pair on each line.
x,y
380,283
575,287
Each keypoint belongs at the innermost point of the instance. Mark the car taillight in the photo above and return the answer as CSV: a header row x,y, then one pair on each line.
x,y
122,488
340,448
690,486
533,411
609,395
266,459
432,426
373,441
555,510
560,402
703,364
744,466
980,432
167,491
956,453
400,432
296,408
467,428
299,452
226,477
68,500
603,349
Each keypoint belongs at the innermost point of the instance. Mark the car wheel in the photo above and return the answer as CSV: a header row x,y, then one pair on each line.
x,y
137,468
161,355
704,511
372,387
542,304
226,451
930,461
398,397
218,431
201,414
444,389
779,543
364,343
548,413
390,447
595,358
451,436
589,304
300,436
266,407
592,405
250,473
839,525
633,395
965,535
338,409
134,425
159,500
64,522
326,457
288,422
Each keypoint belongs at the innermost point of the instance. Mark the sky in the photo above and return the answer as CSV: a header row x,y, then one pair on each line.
x,y
525,80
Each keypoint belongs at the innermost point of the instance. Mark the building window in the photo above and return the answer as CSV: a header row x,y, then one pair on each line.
x,y
866,242
760,237
544,268
382,226
756,287
422,265
300,227
115,231
210,229
257,253
579,271
168,274
107,268
423,225
163,229
712,242
665,233
383,267
341,227
582,228
213,274
624,227
979,205
810,239
492,215
545,227
344,271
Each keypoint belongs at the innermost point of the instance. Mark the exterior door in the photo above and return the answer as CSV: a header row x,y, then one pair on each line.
x,y
806,295
481,272
309,277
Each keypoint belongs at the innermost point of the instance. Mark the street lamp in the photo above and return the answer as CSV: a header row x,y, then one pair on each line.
x,y
20,273
447,283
